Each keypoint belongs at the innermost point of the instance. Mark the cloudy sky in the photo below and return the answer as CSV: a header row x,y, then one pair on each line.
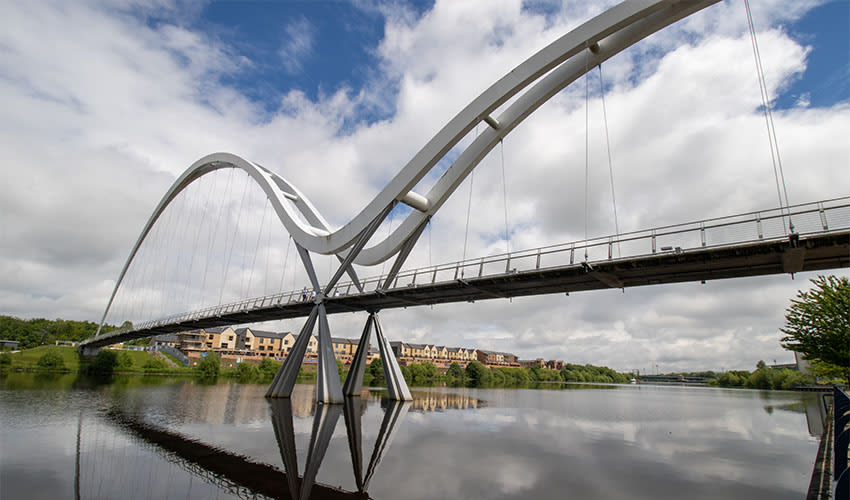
x,y
106,102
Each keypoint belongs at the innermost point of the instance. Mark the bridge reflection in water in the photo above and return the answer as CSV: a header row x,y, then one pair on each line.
x,y
244,478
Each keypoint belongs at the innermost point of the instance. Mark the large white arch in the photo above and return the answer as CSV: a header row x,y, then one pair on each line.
x,y
541,76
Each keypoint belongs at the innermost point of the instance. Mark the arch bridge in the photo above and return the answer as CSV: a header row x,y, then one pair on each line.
x,y
743,245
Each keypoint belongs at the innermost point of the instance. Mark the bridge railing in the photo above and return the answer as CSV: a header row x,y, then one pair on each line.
x,y
735,230
742,229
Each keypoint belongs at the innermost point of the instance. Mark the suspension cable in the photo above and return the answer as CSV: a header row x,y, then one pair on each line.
x,y
197,238
468,210
256,250
389,232
429,243
215,232
586,142
268,260
505,196
233,243
768,119
285,260
610,162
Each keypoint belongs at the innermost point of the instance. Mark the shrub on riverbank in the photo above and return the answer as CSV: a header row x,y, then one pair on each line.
x,y
51,360
764,378
210,365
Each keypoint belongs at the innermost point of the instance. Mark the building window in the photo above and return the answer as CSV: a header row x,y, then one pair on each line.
x,y
211,337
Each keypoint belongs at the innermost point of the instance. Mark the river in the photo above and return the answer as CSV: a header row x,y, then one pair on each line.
x,y
158,437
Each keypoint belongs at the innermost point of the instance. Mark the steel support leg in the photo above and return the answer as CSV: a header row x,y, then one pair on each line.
x,y
328,388
284,432
396,384
354,382
284,380
394,414
323,428
351,411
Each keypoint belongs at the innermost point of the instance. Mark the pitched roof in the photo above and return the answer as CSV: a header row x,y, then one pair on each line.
x,y
267,334
217,329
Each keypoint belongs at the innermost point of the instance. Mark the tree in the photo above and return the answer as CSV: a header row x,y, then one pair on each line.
x,y
817,323
210,365
268,368
104,363
478,374
376,368
51,360
455,371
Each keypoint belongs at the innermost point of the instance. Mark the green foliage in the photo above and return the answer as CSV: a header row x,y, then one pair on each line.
x,y
817,323
123,361
340,369
478,375
35,332
246,370
591,373
51,360
376,368
422,373
28,358
210,365
267,368
104,363
155,365
454,375
5,360
513,377
733,379
764,378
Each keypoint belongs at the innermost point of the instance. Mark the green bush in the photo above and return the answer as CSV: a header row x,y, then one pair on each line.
x,y
210,365
123,361
51,360
5,360
155,365
246,370
376,368
478,375
104,363
268,367
422,373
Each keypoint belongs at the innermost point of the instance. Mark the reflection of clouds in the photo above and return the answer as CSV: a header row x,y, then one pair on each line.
x,y
622,442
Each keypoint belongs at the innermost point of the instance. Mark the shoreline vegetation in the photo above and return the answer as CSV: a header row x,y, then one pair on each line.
x,y
108,362
35,356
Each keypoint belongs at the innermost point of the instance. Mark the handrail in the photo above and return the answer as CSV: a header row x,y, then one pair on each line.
x,y
824,216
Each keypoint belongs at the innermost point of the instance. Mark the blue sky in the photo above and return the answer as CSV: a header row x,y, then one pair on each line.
x,y
106,102
320,47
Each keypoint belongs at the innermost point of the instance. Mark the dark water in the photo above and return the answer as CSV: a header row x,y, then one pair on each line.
x,y
63,437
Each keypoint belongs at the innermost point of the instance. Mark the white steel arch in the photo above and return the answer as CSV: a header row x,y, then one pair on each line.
x,y
541,76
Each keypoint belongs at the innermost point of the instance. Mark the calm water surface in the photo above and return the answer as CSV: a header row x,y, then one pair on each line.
x,y
65,437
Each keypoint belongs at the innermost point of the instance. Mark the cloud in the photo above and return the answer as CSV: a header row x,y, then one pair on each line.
x,y
297,45
100,118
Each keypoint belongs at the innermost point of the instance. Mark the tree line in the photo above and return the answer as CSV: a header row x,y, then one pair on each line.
x,y
39,331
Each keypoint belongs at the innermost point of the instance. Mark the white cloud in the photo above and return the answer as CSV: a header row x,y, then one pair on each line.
x,y
297,44
100,117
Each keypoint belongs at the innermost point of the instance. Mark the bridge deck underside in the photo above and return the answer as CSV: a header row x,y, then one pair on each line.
x,y
812,253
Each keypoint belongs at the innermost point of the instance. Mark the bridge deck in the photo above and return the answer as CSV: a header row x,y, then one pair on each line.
x,y
810,253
